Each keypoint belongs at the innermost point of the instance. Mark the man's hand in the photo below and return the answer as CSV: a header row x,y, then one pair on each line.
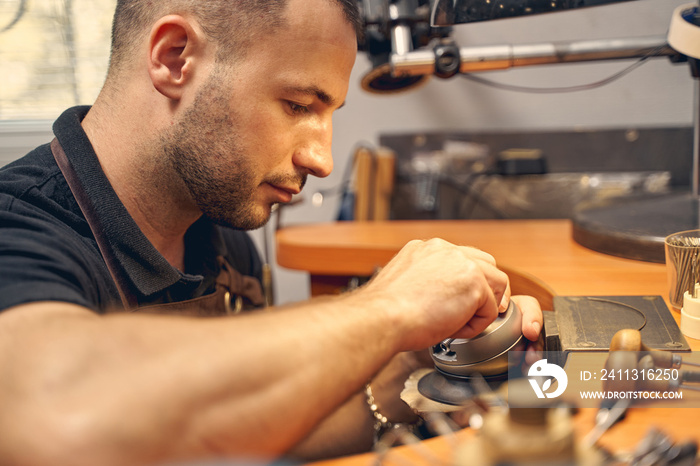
x,y
438,290
389,383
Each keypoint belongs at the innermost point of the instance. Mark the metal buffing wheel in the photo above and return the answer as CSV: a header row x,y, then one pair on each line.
x,y
486,355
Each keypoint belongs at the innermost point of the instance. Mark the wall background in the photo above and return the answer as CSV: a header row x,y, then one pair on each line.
x,y
658,94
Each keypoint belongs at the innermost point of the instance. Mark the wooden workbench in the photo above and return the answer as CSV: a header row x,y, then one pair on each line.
x,y
539,256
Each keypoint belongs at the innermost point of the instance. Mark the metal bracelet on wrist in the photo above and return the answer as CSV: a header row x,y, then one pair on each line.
x,y
381,423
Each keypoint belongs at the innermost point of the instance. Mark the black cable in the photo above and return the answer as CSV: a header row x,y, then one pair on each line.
x,y
467,187
618,303
555,90
21,9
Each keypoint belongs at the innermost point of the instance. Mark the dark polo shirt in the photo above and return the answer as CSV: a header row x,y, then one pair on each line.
x,y
48,252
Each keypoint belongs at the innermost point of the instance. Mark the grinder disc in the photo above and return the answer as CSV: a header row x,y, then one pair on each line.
x,y
435,386
452,389
419,402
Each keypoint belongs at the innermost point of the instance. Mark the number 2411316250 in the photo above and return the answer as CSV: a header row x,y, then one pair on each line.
x,y
635,374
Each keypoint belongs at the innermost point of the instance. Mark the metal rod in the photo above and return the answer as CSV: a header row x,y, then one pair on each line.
x,y
695,182
499,57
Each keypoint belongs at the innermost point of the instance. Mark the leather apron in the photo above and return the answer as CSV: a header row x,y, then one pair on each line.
x,y
233,293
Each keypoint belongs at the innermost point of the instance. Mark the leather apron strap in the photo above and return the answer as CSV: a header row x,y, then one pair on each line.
x,y
87,207
234,291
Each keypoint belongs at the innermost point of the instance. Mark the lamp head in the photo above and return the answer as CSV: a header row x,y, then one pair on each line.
x,y
380,80
395,27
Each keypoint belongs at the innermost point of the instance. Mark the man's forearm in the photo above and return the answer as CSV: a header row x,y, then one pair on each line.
x,y
349,430
177,388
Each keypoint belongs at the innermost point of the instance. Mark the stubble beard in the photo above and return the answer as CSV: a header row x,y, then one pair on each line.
x,y
204,150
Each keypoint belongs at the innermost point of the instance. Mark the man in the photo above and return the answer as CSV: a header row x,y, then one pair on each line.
x,y
212,112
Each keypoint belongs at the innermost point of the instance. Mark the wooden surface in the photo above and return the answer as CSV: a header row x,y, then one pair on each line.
x,y
542,249
539,254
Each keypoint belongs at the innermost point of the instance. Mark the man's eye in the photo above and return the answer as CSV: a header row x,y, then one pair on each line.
x,y
298,109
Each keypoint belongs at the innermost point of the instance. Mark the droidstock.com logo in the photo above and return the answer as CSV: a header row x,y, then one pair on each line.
x,y
545,373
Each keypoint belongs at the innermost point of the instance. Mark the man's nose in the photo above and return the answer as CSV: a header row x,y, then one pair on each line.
x,y
314,154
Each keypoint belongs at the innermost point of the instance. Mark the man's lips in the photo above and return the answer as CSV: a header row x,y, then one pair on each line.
x,y
284,193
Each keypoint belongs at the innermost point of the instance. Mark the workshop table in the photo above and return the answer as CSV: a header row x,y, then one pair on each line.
x,y
541,259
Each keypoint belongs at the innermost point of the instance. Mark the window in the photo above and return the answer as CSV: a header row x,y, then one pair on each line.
x,y
53,55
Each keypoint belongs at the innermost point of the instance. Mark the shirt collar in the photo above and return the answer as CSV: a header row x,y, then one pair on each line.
x,y
147,270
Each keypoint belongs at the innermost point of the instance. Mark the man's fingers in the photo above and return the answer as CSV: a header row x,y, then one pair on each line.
x,y
505,300
485,314
496,279
478,254
532,316
498,282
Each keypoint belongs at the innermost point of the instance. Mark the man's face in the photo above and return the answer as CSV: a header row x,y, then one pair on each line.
x,y
256,129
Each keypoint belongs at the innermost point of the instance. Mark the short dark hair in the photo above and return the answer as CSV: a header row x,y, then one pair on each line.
x,y
228,22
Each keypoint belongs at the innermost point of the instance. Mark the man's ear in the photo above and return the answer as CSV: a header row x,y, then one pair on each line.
x,y
174,48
